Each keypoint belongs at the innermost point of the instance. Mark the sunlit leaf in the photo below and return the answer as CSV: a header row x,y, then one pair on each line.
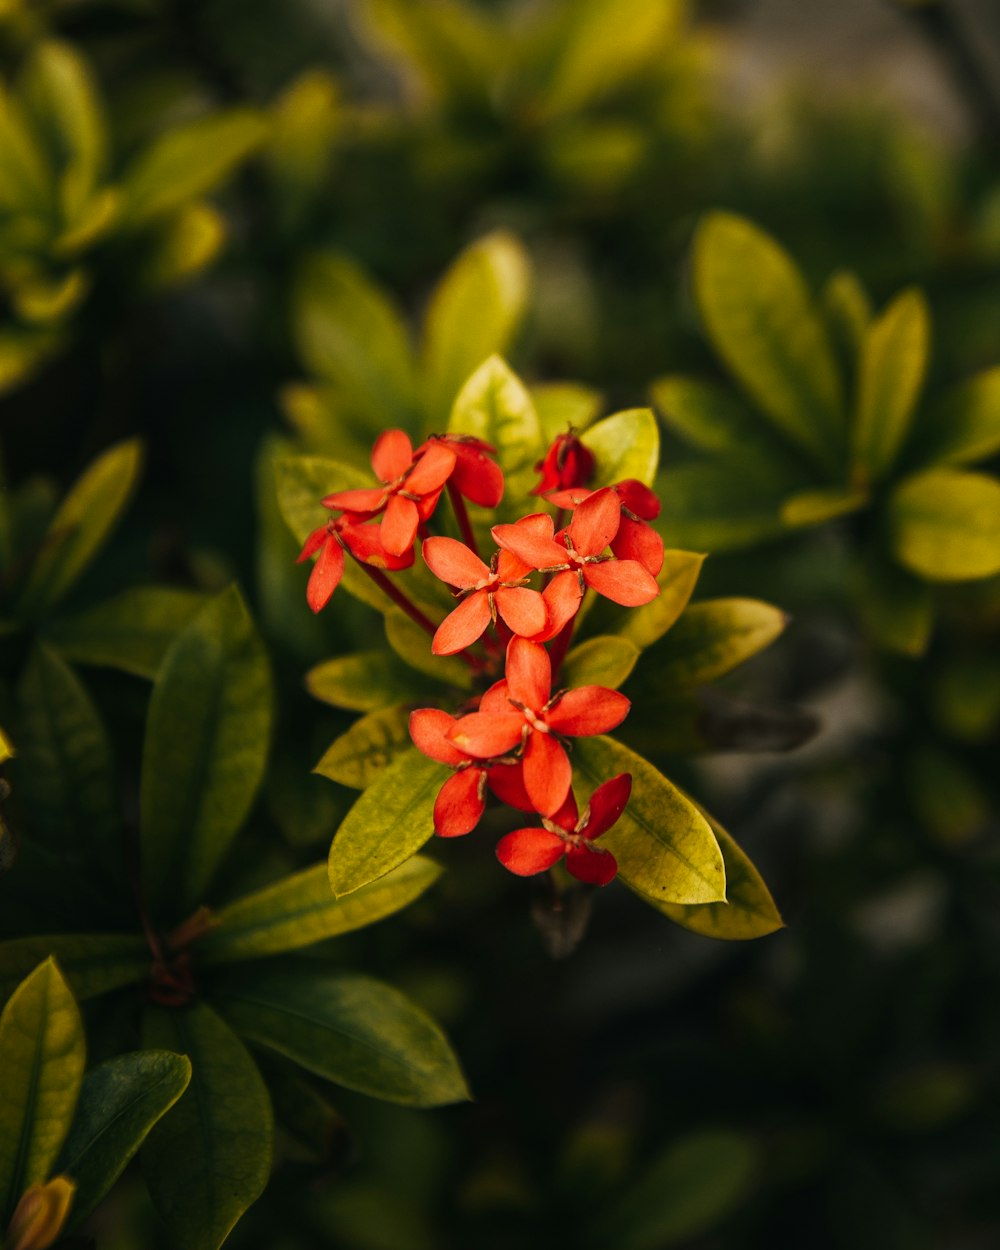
x,y
357,757
564,405
645,625
368,680
710,639
963,425
602,661
625,446
944,525
186,242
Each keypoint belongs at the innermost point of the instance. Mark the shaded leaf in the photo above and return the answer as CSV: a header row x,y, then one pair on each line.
x,y
184,243
412,643
848,309
944,525
357,757
710,639
625,445
601,661
704,414
896,606
369,680
645,625
92,963
813,507
964,424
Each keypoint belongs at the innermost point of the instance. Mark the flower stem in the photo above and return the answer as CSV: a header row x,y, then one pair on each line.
x,y
462,517
560,645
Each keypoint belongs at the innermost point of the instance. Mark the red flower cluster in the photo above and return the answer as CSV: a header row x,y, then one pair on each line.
x,y
511,740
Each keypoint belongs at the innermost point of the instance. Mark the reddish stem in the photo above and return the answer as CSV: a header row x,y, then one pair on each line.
x,y
462,517
560,645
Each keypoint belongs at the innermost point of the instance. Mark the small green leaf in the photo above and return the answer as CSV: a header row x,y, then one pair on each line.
x,y
625,446
848,309
646,625
964,424
474,313
896,606
704,414
390,822
762,322
41,1062
120,1101
79,528
944,525
301,910
710,639
357,757
182,244
412,643
890,376
369,680
602,661
564,405
187,162
25,176
92,963
349,1029
206,746
209,1157
664,846
131,632
813,507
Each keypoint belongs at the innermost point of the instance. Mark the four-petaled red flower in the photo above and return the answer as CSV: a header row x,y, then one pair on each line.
x,y
636,539
530,851
566,463
522,710
364,543
475,475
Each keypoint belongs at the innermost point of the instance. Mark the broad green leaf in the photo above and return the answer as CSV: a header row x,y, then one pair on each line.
x,y
891,373
349,1029
83,521
369,680
494,405
944,525
676,579
92,963
762,322
349,332
964,424
625,445
132,631
813,507
120,1101
187,162
896,606
307,120
209,1157
848,309
704,414
357,757
25,177
390,822
412,643
301,910
710,639
664,846
206,746
602,661
562,406
183,243
41,1061
475,312
450,47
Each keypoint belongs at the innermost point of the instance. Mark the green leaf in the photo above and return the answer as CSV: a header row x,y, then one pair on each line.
x,y
390,822
131,632
964,424
25,177
704,414
7,751
187,162
564,405
602,661
813,507
896,606
848,309
890,376
646,625
348,331
209,1157
301,910
412,643
349,1029
79,528
41,1062
206,747
944,525
92,963
357,757
762,322
494,405
475,312
664,846
182,244
625,445
710,639
369,680
120,1101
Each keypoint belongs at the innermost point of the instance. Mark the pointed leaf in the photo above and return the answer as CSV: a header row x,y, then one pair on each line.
x,y
813,507
564,405
413,644
646,625
120,1101
186,241
848,310
92,963
357,757
602,661
704,414
206,746
944,525
964,424
349,1029
710,639
625,445
209,1157
369,680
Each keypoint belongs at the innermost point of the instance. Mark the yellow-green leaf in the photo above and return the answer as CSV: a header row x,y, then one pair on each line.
x,y
677,579
357,757
625,446
944,525
368,680
848,309
564,405
606,660
92,963
813,507
187,241
710,639
964,424
704,414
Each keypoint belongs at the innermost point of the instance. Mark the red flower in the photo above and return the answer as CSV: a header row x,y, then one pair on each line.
x,y
364,543
410,488
594,526
530,851
636,539
522,709
485,592
475,475
567,463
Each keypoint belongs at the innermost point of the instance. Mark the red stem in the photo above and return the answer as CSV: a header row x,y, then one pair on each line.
x,y
462,517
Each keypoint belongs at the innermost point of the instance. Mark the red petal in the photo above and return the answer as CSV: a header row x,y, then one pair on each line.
x,y
392,455
588,710
592,864
427,503
562,596
571,498
460,803
507,783
370,500
453,562
568,814
529,673
399,525
530,539
312,544
606,804
526,852
638,498
495,699
485,734
636,540
547,772
461,628
431,471
326,574
595,522
510,568
523,610
622,581
365,543
476,476
428,729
